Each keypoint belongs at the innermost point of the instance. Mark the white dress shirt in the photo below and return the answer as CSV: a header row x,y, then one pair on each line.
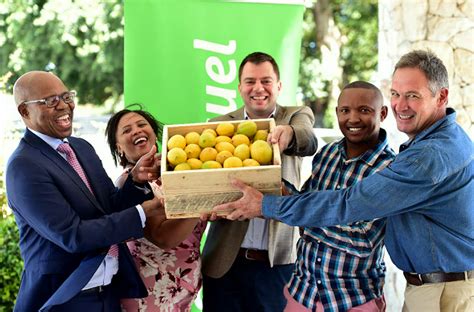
x,y
257,232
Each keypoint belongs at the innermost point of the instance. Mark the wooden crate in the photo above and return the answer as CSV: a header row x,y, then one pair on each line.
x,y
189,193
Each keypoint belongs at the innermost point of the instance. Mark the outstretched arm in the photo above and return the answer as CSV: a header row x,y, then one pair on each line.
x,y
249,206
166,233
160,231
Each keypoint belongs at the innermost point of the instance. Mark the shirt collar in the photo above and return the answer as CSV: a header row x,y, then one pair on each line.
x,y
446,120
272,115
370,156
53,142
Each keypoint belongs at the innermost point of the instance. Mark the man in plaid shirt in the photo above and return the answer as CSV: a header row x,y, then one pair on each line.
x,y
340,268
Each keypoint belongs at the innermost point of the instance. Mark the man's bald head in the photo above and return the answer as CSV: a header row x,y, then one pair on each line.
x,y
35,87
32,84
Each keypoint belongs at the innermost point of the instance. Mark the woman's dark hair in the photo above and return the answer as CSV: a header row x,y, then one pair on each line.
x,y
112,124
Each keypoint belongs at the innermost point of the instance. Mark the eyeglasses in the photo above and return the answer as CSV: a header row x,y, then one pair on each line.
x,y
53,101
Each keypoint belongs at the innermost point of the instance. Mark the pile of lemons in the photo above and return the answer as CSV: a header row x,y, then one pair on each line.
x,y
225,147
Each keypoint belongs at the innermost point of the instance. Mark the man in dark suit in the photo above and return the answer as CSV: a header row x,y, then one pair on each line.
x,y
72,220
247,264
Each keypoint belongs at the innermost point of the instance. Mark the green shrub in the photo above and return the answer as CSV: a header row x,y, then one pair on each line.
x,y
10,263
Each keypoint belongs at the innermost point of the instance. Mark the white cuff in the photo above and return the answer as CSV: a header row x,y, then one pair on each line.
x,y
141,212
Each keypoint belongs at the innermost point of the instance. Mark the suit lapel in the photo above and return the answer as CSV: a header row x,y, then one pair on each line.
x,y
88,172
279,114
62,165
238,114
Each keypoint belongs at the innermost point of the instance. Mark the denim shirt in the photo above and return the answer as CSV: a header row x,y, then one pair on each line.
x,y
426,194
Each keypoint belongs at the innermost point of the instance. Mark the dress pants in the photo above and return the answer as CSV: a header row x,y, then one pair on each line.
x,y
248,286
455,296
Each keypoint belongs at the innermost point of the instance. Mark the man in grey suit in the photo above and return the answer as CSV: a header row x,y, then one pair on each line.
x,y
246,264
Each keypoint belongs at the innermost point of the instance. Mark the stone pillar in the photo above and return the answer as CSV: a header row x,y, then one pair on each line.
x,y
446,27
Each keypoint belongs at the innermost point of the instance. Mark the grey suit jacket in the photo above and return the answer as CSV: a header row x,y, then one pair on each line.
x,y
225,237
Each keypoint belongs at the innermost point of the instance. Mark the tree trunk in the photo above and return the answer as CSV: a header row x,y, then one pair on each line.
x,y
328,39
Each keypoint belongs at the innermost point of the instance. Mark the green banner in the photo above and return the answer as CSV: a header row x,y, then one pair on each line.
x,y
182,57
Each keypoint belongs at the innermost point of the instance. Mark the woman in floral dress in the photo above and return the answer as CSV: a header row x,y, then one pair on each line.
x,y
168,258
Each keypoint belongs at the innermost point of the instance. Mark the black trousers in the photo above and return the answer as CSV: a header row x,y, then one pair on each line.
x,y
92,301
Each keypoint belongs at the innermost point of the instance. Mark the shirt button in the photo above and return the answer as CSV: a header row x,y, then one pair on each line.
x,y
319,259
319,242
319,282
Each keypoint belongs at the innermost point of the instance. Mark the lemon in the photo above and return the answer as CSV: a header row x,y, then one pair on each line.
x,y
248,128
176,140
176,156
225,128
240,139
211,164
242,151
182,166
194,163
225,146
208,153
261,135
192,150
214,133
192,137
207,139
232,162
222,156
261,151
223,138
249,163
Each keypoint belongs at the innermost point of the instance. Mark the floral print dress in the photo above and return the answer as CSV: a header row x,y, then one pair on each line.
x,y
172,276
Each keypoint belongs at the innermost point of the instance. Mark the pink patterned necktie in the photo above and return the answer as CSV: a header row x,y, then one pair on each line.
x,y
72,160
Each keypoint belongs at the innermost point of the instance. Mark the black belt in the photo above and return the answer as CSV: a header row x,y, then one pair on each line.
x,y
437,277
94,290
254,254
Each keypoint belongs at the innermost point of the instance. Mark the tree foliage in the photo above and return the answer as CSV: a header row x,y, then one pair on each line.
x,y
81,41
354,39
358,22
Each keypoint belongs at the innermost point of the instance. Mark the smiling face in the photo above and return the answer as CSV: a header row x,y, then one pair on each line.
x,y
135,136
414,106
259,88
56,121
359,113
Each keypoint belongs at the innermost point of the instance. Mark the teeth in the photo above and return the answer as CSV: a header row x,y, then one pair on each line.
x,y
65,117
259,97
354,129
405,116
139,140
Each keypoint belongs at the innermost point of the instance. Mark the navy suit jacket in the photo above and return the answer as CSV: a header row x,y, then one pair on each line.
x,y
65,231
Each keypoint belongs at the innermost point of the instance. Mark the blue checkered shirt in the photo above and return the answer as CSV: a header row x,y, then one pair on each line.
x,y
341,266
